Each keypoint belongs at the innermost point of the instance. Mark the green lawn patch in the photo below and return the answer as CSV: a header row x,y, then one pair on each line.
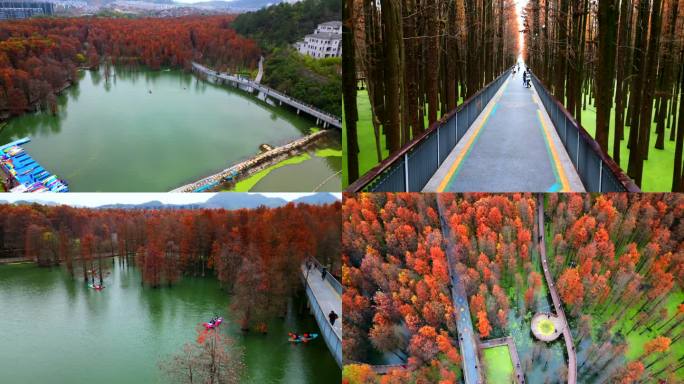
x,y
329,152
498,364
247,184
657,175
546,327
364,129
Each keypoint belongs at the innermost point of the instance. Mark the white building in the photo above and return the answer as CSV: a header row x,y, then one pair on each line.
x,y
326,41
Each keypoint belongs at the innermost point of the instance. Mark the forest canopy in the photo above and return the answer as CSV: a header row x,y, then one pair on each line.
x,y
39,57
616,261
284,23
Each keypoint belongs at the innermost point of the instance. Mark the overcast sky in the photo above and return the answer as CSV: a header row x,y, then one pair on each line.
x,y
98,199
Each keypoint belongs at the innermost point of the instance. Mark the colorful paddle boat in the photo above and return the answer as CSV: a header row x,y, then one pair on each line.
x,y
214,323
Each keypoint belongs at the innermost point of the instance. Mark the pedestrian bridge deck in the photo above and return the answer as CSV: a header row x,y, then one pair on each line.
x,y
324,297
511,147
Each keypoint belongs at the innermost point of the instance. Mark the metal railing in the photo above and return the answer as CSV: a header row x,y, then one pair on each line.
x,y
598,171
412,166
333,342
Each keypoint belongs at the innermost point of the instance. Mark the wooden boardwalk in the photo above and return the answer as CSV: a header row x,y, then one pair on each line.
x,y
252,165
570,346
321,116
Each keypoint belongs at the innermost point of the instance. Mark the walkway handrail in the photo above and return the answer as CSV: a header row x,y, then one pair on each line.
x,y
427,150
333,341
598,171
328,277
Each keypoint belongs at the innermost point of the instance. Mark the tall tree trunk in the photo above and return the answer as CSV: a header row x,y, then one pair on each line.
x,y
607,21
677,184
393,44
562,54
639,71
625,12
432,59
349,91
649,89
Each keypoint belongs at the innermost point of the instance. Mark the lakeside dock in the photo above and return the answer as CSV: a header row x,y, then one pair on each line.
x,y
23,174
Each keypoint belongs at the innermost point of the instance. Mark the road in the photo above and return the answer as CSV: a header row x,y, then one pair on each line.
x,y
570,346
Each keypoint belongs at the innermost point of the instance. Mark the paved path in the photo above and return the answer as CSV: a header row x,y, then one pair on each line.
x,y
326,296
572,357
515,359
511,147
260,74
468,340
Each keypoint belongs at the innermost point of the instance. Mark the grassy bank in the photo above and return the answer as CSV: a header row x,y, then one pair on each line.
x,y
657,175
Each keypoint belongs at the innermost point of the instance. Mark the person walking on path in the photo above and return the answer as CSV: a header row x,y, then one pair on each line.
x,y
323,273
332,316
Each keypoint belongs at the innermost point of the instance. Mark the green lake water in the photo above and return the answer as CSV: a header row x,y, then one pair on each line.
x,y
152,131
55,330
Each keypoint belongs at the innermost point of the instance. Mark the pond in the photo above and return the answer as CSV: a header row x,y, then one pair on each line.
x,y
152,131
53,326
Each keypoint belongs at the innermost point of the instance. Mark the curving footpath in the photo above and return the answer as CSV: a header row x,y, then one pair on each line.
x,y
468,341
572,357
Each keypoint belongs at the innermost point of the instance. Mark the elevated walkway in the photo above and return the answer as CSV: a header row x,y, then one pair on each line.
x,y
325,295
321,116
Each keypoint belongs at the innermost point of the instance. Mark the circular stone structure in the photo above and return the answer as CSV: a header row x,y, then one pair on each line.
x,y
546,326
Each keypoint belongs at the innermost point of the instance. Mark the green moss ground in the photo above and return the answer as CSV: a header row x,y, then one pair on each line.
x,y
364,129
498,364
247,184
657,176
546,327
636,341
328,152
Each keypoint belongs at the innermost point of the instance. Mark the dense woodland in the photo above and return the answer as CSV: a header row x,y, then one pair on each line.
x,y
618,262
396,296
255,254
418,59
39,57
315,81
285,23
625,57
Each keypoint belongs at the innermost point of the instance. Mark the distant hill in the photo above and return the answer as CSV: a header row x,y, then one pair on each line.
x,y
242,200
245,5
228,201
317,199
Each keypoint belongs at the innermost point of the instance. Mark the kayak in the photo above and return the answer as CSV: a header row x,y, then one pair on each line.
x,y
213,324
96,286
301,338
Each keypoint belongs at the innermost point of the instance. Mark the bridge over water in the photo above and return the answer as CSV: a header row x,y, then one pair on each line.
x,y
321,116
325,295
505,138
